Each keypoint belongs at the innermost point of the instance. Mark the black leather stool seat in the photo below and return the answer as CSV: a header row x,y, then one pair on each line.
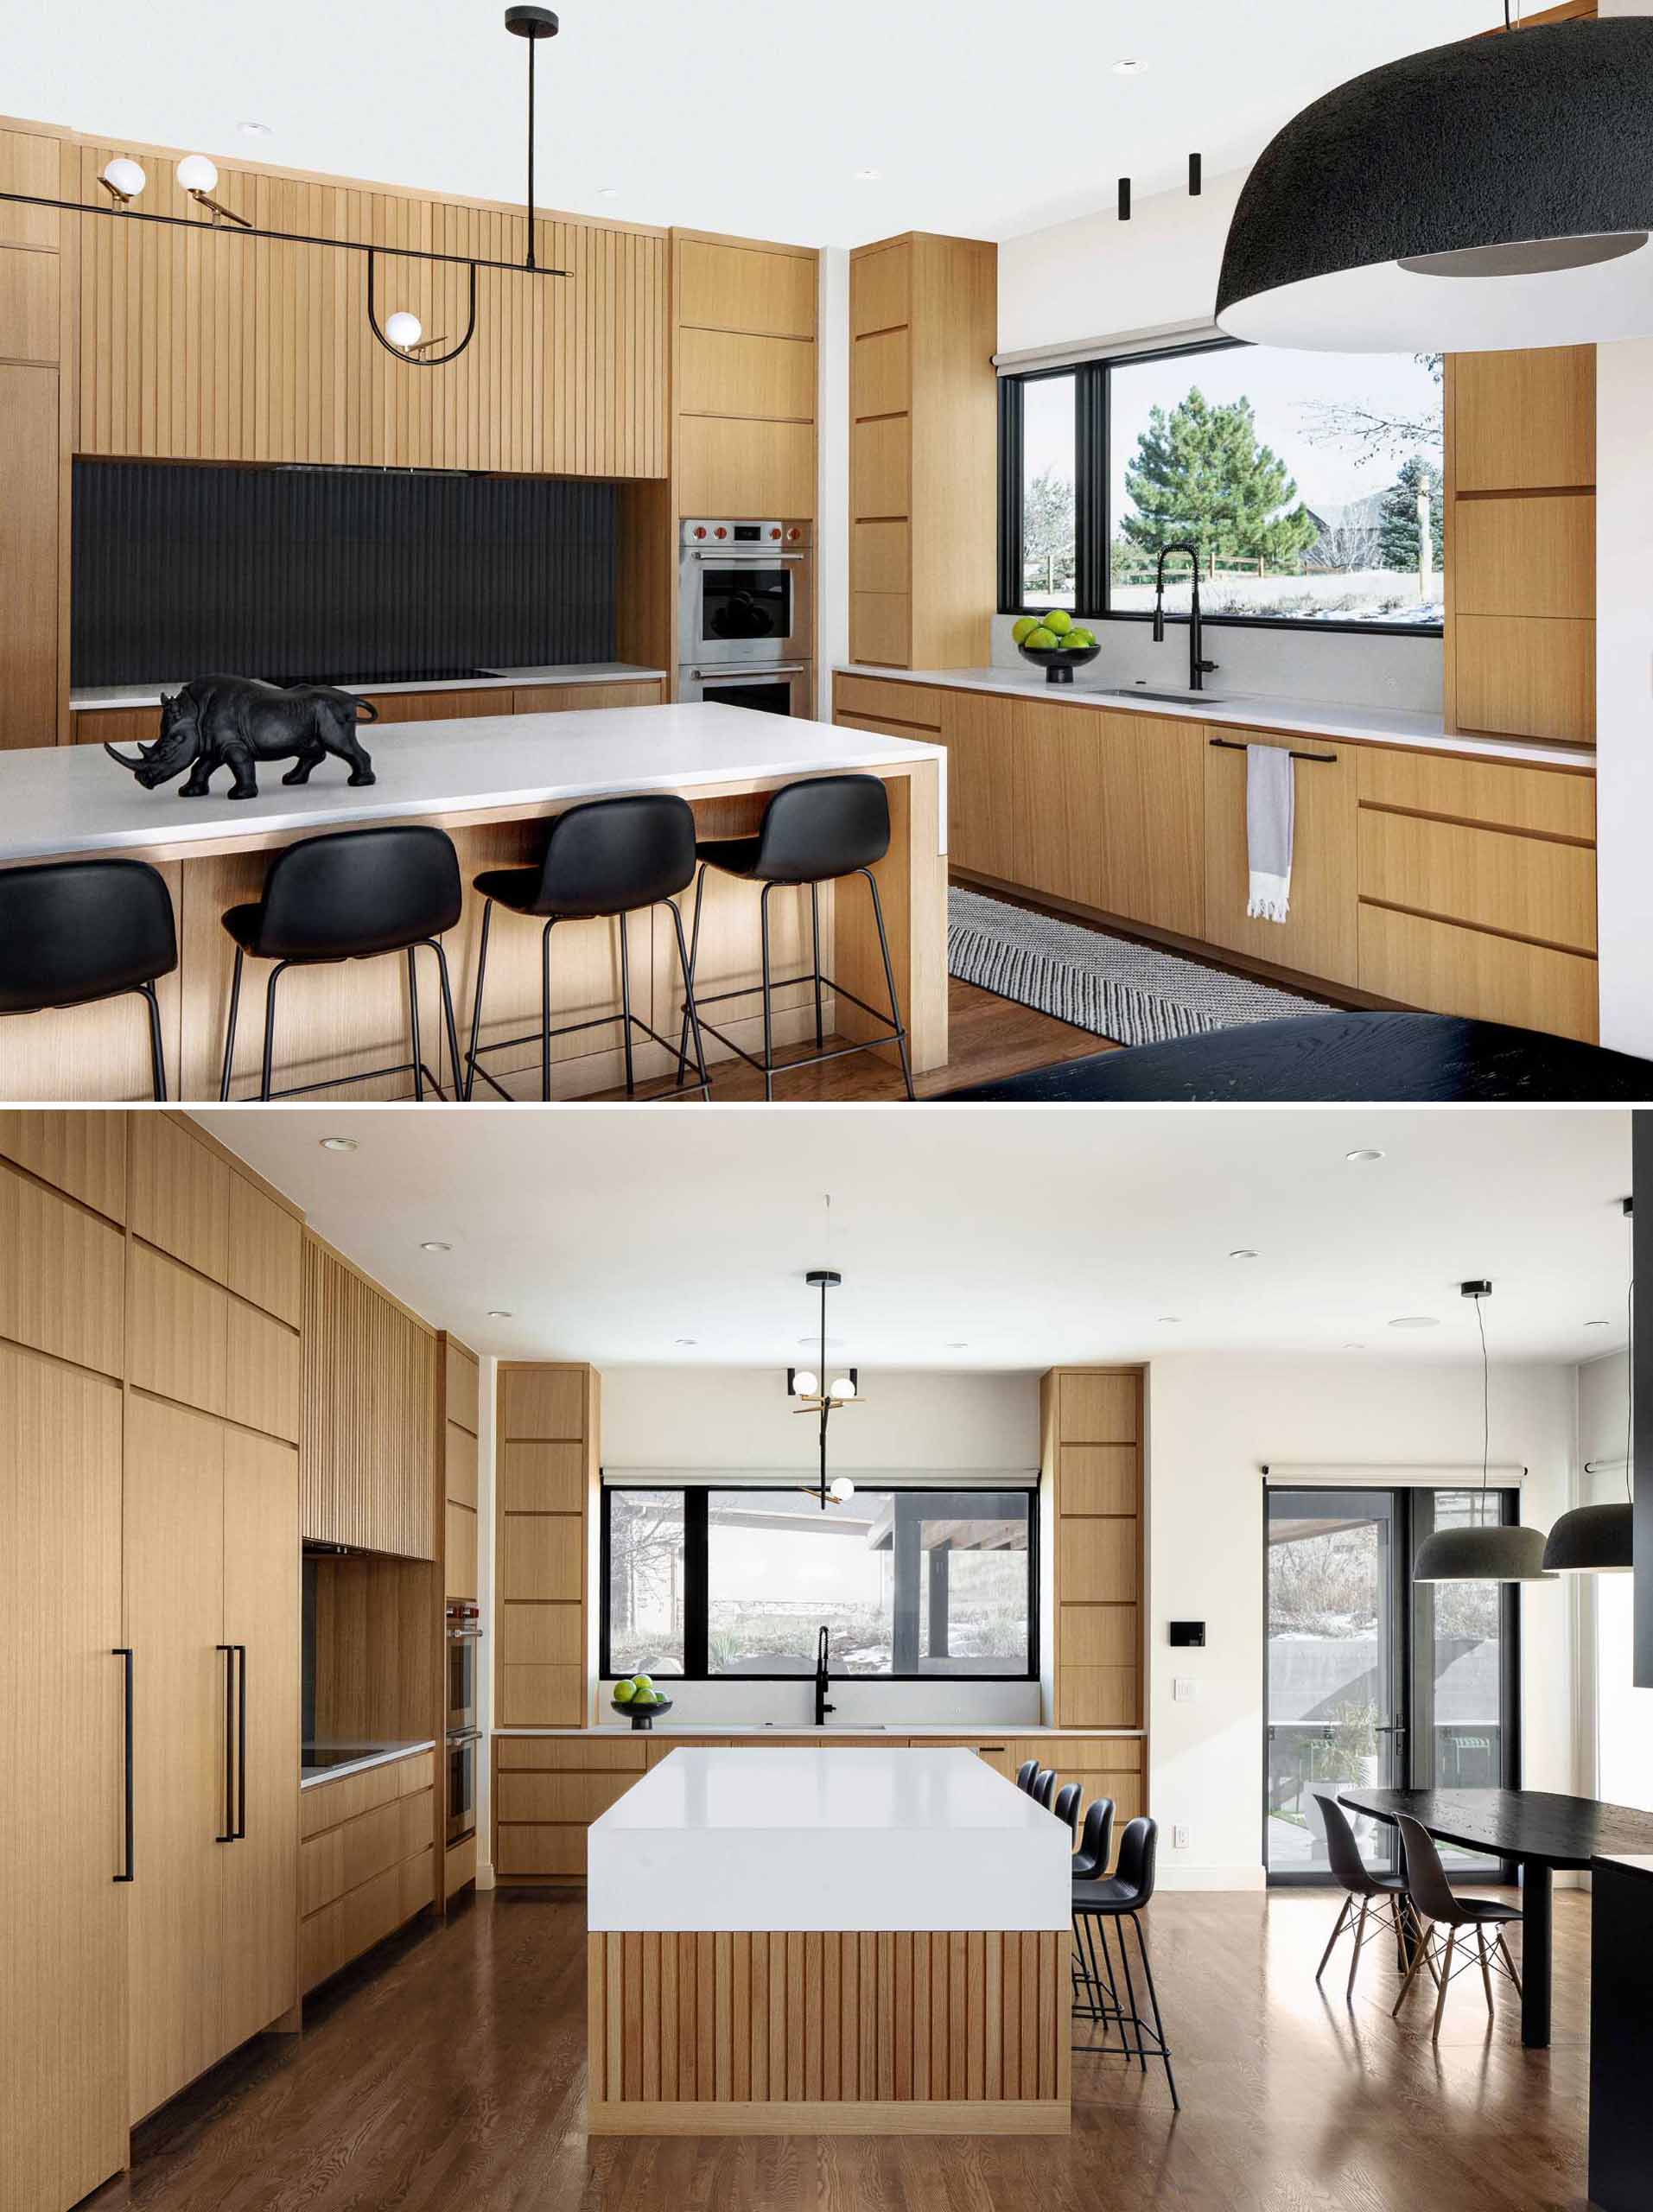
x,y
352,896
73,931
734,856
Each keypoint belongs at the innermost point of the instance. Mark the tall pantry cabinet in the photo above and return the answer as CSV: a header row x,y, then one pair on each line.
x,y
149,1491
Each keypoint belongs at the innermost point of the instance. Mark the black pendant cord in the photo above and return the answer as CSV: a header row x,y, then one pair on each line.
x,y
1630,1374
1486,1398
826,1406
532,43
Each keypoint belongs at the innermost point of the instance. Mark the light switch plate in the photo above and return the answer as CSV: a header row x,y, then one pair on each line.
x,y
1179,1837
1182,1689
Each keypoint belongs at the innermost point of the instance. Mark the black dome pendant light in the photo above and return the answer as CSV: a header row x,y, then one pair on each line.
x,y
1599,1539
1494,193
1489,1552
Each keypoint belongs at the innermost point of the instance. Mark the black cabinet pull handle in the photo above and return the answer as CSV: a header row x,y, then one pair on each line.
x,y
124,1651
227,1833
241,1777
1320,760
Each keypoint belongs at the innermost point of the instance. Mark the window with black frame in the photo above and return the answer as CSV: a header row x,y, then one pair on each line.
x,y
1312,483
702,1581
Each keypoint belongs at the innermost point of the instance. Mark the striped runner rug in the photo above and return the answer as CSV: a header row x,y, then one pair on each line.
x,y
1131,994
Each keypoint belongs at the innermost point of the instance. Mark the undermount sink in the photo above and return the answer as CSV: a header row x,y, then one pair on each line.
x,y
1169,698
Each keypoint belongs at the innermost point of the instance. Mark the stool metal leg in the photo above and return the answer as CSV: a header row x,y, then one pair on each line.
x,y
446,985
229,1034
626,1005
768,1014
276,974
413,1026
685,961
1153,2000
546,1011
896,1021
157,1058
815,942
476,1003
689,977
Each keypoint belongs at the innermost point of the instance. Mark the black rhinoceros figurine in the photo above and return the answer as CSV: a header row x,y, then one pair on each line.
x,y
235,722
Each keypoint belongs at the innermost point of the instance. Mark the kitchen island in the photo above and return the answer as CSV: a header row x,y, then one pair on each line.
x,y
492,782
827,1941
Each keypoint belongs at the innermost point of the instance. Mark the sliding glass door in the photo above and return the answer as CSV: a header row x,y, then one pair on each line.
x,y
1372,1678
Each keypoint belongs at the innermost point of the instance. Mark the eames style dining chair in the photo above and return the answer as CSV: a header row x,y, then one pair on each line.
x,y
1361,1888
1434,1900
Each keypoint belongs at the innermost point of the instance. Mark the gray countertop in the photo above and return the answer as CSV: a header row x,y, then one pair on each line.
x,y
311,1777
1254,709
95,697
976,1729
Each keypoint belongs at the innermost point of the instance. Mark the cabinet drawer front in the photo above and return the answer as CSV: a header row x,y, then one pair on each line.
x,y
1097,1561
415,1774
1098,1478
1527,675
1551,801
1100,1697
580,1797
1447,969
880,556
1100,1634
343,1931
415,1883
542,1697
916,704
880,381
1525,419
266,1253
262,1380
879,463
520,1849
1318,936
881,627
460,1557
83,1155
463,1385
344,1858
178,1194
1097,1409
459,1471
746,288
1525,886
741,373
1525,556
746,468
569,1754
541,1633
65,1294
541,1555
541,1478
441,706
578,698
177,1331
540,1401
329,1804
881,288
1073,1756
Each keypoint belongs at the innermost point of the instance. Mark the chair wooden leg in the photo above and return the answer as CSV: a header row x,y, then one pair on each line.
x,y
1360,1937
1342,1915
1420,1953
1486,1971
1445,1978
1509,1961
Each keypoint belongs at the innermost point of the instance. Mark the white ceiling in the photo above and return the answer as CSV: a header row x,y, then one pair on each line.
x,y
748,116
1031,1235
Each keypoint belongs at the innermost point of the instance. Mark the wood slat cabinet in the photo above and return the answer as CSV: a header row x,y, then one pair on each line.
x,y
461,1382
369,1442
36,276
547,1444
1091,1422
1319,936
924,323
745,342
368,1861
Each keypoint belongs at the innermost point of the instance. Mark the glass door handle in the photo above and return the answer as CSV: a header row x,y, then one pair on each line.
x,y
1388,1728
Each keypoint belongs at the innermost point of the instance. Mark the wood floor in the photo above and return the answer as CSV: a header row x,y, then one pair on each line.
x,y
446,2074
988,1037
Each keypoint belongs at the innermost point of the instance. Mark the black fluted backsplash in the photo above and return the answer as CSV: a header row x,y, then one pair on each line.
x,y
333,574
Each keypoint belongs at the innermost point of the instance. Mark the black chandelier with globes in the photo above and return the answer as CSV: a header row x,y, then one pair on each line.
x,y
400,333
822,1397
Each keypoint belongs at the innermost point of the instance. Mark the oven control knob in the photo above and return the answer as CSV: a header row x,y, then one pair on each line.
x,y
720,531
774,533
792,536
700,529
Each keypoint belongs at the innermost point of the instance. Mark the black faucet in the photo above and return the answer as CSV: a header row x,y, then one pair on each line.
x,y
1199,668
821,1708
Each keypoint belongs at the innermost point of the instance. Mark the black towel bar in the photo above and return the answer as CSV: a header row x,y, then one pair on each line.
x,y
1320,760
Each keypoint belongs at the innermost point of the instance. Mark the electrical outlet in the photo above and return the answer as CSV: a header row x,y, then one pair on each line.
x,y
1182,1689
1179,1837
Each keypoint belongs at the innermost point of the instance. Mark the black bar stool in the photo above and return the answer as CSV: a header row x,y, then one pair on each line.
x,y
76,930
1120,1898
1025,1774
1097,1842
1044,1788
603,860
811,833
354,896
1069,1798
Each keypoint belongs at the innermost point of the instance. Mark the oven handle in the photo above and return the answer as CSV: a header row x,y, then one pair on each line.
x,y
737,674
721,553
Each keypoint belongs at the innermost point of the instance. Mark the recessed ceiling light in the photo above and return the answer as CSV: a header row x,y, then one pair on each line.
x,y
338,1144
1364,1157
1354,1347
834,1344
434,1244
1598,1324
608,192
958,1343
686,1341
1171,1321
500,1313
253,129
1129,68
868,176
1416,1321
1243,1252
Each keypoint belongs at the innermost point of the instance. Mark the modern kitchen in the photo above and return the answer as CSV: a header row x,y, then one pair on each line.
x,y
500,1713
1015,630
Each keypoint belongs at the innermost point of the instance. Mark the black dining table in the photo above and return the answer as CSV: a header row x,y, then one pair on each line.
x,y
1543,1834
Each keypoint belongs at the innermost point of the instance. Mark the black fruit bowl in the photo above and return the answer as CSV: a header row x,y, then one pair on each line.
x,y
642,1716
1058,666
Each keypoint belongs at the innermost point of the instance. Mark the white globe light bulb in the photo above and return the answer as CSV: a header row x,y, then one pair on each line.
x,y
805,1380
404,329
197,174
841,1491
126,177
842,1388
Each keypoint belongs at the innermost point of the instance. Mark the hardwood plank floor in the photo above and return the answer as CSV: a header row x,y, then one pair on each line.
x,y
448,2070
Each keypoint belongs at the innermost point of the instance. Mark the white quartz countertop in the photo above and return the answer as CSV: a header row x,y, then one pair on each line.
x,y
813,1838
1252,710
977,1731
62,801
147,694
381,1755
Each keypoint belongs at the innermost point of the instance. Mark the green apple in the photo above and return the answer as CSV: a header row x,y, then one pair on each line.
x,y
1025,628
624,1693
1043,641
1077,641
642,1682
1059,621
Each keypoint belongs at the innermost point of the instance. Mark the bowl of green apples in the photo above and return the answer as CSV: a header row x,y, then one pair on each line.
x,y
636,1698
1056,643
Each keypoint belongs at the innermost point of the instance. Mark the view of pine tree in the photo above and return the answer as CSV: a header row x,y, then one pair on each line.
x,y
1199,472
1048,538
1398,529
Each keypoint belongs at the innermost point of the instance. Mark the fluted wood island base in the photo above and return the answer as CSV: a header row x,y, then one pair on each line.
x,y
492,784
874,2000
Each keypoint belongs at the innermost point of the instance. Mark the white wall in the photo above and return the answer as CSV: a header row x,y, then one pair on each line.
x,y
741,1419
1214,1419
1100,279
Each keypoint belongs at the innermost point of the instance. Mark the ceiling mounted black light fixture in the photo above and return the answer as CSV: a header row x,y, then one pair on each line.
x,y
1601,1539
1487,1551
823,1398
1494,193
401,334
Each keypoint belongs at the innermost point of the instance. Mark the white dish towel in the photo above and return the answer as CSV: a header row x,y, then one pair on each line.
x,y
1270,809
